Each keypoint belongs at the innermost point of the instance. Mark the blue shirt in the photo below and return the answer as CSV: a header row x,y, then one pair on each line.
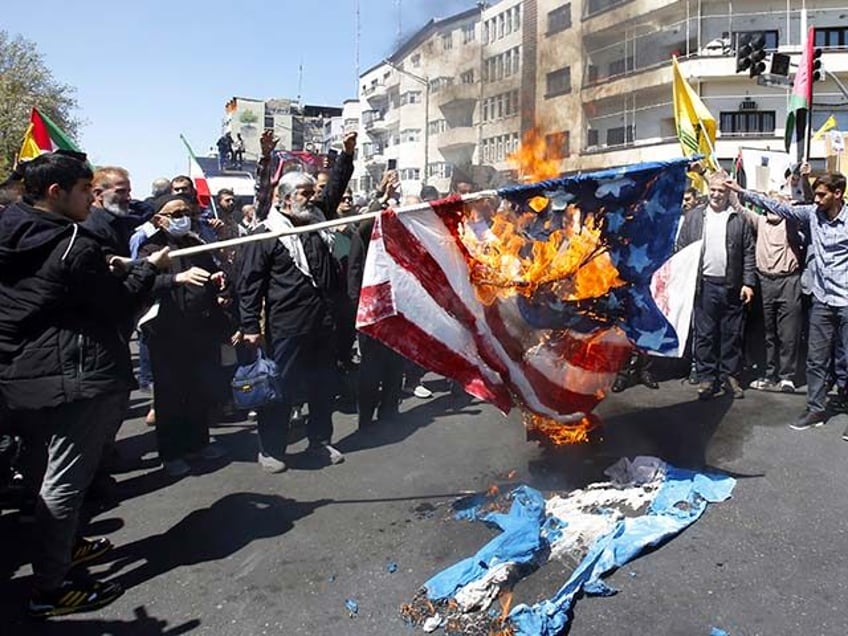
x,y
828,244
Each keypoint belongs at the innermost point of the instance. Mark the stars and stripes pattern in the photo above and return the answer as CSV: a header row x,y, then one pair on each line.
x,y
552,357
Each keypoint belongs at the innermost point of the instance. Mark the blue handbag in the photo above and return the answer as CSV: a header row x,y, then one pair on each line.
x,y
256,384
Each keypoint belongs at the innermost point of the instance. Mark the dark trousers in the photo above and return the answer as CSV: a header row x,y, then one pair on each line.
x,y
782,314
719,321
827,324
187,378
68,440
145,372
380,379
307,366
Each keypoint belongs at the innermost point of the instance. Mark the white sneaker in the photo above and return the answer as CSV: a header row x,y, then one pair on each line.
x,y
177,468
787,386
326,452
252,416
422,392
336,456
271,464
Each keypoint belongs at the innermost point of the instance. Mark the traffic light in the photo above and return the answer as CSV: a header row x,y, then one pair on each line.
x,y
758,55
743,52
818,71
780,64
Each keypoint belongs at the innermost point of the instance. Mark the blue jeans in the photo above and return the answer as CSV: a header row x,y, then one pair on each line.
x,y
307,366
719,322
827,324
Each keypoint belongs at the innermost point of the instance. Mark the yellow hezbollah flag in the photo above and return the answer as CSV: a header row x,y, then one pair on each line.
x,y
829,123
696,127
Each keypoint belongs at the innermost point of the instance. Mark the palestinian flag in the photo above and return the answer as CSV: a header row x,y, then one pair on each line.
x,y
42,136
201,186
801,99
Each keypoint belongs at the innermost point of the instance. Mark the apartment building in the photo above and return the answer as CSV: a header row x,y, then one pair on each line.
x,y
613,100
594,75
298,126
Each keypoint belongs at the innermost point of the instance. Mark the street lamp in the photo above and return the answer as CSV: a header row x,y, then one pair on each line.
x,y
426,82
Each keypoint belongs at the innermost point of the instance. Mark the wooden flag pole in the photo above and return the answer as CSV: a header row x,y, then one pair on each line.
x,y
313,227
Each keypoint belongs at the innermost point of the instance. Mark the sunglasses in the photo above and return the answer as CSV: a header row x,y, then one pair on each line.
x,y
347,199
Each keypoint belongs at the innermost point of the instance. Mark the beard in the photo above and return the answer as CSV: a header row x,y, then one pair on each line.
x,y
116,208
303,214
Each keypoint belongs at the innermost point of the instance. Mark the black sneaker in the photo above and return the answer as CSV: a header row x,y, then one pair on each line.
x,y
72,597
647,379
809,419
89,549
621,383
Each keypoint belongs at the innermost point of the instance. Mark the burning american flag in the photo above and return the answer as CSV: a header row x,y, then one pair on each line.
x,y
534,297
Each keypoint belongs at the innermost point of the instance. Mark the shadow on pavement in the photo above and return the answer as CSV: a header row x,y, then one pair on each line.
x,y
680,434
141,625
208,534
397,429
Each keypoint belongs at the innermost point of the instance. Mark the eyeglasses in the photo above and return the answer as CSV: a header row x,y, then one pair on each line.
x,y
347,199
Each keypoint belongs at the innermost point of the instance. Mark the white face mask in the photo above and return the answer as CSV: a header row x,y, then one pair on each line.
x,y
179,226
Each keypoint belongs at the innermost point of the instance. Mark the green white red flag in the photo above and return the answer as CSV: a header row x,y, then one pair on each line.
x,y
802,96
43,135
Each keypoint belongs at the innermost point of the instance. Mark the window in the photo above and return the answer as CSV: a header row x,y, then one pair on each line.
x,y
832,37
447,41
269,121
516,20
619,67
366,183
438,126
415,60
771,38
467,33
592,138
485,36
559,19
557,145
440,169
508,28
596,6
410,174
467,77
559,82
746,122
410,135
501,23
410,97
620,135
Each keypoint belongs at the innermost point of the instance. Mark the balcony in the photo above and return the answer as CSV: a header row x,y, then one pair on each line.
x,y
375,93
658,75
458,140
374,121
457,96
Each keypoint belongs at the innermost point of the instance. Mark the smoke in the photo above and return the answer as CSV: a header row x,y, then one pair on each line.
x,y
414,14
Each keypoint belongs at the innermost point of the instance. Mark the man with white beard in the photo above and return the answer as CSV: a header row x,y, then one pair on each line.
x,y
114,215
297,280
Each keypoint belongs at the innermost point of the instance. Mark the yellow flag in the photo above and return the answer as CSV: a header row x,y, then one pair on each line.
x,y
696,127
29,148
829,123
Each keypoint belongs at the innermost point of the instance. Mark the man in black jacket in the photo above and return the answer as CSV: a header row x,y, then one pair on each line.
x,y
297,281
64,362
725,285
115,216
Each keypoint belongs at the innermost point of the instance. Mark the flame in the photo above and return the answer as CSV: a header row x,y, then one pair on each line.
x,y
505,599
493,490
538,158
560,434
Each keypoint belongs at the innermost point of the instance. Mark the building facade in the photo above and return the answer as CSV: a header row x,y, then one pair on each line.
x,y
594,76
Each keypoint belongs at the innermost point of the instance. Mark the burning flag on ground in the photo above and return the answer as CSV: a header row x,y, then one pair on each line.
x,y
532,298
590,531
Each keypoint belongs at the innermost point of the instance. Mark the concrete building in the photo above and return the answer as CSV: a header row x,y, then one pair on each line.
x,y
594,75
298,126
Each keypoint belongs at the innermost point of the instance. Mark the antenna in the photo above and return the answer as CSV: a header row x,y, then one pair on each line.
x,y
300,80
356,37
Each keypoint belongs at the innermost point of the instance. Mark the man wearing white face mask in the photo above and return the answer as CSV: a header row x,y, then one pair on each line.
x,y
184,340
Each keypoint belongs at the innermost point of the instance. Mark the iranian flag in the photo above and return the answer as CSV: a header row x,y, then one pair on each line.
x,y
204,196
43,135
801,99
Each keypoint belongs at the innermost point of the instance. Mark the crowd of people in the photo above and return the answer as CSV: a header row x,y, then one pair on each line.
x,y
85,266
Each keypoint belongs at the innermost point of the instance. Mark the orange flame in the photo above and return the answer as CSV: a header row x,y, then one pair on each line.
x,y
538,158
505,599
560,434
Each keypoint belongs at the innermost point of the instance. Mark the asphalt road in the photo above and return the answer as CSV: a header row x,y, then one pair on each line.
x,y
230,550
